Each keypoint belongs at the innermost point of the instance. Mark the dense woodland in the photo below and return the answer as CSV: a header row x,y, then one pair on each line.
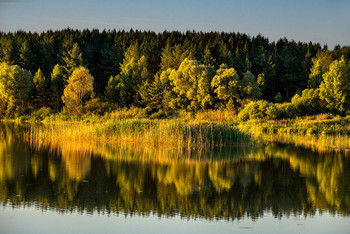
x,y
79,72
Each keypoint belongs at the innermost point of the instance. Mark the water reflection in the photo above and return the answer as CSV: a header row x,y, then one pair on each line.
x,y
227,184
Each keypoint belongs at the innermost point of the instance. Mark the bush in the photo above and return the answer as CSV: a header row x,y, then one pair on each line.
x,y
273,112
41,114
309,103
254,110
95,106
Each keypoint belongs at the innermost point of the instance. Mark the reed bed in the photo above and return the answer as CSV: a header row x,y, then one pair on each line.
x,y
190,134
319,134
199,131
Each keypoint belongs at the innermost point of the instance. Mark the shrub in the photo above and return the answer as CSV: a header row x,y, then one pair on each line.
x,y
254,110
273,112
41,113
95,106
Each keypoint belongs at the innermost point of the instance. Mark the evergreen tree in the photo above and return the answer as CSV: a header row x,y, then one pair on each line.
x,y
250,86
40,89
48,56
111,57
27,57
208,59
72,58
156,94
7,53
116,91
172,57
278,98
58,81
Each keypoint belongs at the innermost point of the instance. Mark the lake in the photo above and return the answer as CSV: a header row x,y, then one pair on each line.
x,y
71,187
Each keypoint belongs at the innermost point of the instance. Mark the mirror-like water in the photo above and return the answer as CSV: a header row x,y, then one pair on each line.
x,y
83,187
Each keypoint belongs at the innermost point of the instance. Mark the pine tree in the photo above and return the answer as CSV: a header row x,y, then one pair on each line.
x,y
40,89
208,59
111,57
27,57
250,86
72,58
7,53
48,57
156,93
58,81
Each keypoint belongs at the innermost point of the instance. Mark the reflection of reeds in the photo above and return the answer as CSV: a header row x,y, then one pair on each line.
x,y
124,151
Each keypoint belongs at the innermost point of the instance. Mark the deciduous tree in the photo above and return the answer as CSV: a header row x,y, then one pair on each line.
x,y
79,89
335,87
15,87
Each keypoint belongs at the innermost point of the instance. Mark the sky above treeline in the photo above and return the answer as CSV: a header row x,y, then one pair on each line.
x,y
323,21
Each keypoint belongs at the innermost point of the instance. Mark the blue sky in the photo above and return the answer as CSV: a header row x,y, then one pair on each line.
x,y
324,21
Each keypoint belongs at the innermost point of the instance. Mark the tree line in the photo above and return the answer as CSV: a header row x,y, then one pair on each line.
x,y
165,72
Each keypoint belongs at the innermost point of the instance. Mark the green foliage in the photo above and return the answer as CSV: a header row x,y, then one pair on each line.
x,y
7,51
134,59
115,91
58,81
261,80
320,65
27,58
192,84
173,56
273,112
94,106
156,94
127,88
78,90
208,58
230,105
111,57
279,98
40,89
226,84
72,57
250,87
255,110
309,103
335,87
41,113
15,87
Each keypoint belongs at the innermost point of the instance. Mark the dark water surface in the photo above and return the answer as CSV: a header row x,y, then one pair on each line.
x,y
79,188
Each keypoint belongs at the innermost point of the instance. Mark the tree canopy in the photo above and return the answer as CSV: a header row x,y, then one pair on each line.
x,y
174,70
79,89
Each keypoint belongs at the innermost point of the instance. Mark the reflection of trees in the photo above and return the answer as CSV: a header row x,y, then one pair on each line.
x,y
327,176
12,152
283,179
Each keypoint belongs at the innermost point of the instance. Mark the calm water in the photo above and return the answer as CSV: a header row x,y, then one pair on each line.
x,y
84,188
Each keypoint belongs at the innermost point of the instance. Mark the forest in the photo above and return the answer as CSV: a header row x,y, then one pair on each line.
x,y
90,71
